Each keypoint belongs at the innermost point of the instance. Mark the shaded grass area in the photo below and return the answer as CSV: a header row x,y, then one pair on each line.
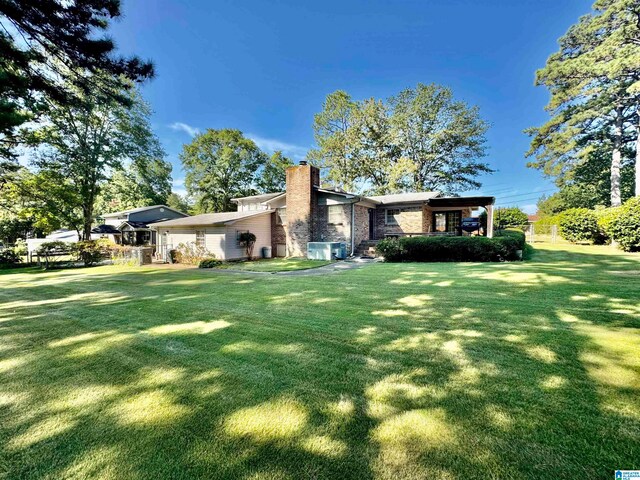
x,y
521,370
275,265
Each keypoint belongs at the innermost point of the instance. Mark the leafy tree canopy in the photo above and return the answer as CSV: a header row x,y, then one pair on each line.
x,y
273,175
421,139
221,165
52,49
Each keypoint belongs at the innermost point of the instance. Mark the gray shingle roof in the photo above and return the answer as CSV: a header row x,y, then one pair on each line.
x,y
404,197
262,197
139,209
211,219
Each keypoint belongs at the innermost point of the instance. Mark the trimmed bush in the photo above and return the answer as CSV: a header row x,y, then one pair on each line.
x,y
510,217
191,254
91,252
390,249
452,249
9,258
624,225
578,225
209,263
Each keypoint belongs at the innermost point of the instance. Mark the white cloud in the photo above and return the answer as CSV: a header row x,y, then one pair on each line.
x,y
178,182
272,144
530,208
183,127
180,191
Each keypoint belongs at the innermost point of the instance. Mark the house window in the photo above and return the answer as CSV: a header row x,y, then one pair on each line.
x,y
281,216
199,238
238,233
446,222
335,214
391,216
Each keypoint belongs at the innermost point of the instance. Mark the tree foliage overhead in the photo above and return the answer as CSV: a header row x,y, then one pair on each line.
x,y
52,49
86,144
273,175
421,139
594,81
221,165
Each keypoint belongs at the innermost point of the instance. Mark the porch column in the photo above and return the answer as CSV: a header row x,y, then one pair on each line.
x,y
489,209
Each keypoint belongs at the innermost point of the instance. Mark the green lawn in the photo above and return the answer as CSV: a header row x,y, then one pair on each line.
x,y
391,371
274,265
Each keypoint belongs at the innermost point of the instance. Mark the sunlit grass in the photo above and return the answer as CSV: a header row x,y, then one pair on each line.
x,y
274,265
393,371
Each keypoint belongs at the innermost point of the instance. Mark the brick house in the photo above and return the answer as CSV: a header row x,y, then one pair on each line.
x,y
306,212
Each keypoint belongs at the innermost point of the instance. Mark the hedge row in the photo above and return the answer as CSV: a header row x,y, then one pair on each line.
x,y
503,247
618,224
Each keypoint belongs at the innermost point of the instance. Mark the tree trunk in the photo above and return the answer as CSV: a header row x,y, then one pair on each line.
x,y
87,220
637,165
616,160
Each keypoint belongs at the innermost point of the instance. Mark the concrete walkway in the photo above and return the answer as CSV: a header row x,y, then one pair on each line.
x,y
324,270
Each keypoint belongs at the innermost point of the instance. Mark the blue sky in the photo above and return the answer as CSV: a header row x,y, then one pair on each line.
x,y
265,67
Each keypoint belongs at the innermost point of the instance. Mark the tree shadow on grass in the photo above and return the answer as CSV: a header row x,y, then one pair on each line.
x,y
394,371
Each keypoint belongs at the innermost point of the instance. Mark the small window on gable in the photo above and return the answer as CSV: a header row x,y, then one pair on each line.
x,y
391,216
335,215
281,216
200,240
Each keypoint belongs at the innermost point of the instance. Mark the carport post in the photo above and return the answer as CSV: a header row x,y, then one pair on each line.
x,y
489,209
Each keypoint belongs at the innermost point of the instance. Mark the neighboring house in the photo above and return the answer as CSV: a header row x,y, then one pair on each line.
x,y
305,212
135,225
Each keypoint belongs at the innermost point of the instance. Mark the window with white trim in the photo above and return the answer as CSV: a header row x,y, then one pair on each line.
x,y
335,215
391,216
281,216
200,239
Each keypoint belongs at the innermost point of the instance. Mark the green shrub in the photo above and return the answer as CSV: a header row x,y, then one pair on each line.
x,y
513,233
191,254
390,249
20,247
452,249
209,263
247,240
578,225
55,247
91,252
510,217
9,258
624,226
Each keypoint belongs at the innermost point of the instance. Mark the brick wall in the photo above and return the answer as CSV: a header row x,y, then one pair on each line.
x,y
410,221
278,235
361,224
301,208
338,232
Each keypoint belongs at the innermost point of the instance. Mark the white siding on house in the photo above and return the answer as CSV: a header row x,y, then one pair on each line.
x,y
260,226
222,241
214,238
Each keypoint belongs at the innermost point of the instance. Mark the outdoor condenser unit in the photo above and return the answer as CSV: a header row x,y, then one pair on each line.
x,y
326,250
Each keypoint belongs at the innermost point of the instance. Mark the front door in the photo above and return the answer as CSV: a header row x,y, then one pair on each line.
x,y
372,224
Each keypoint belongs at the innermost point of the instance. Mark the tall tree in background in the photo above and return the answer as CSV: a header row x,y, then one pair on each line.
x,y
51,50
333,131
178,202
84,144
442,137
273,175
421,139
221,165
594,81
138,184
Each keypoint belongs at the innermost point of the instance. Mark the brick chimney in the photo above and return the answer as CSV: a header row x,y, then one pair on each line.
x,y
302,183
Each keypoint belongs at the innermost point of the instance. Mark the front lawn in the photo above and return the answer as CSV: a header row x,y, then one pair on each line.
x,y
391,371
274,265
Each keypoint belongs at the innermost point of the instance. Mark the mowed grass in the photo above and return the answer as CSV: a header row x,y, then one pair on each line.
x,y
274,265
391,371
